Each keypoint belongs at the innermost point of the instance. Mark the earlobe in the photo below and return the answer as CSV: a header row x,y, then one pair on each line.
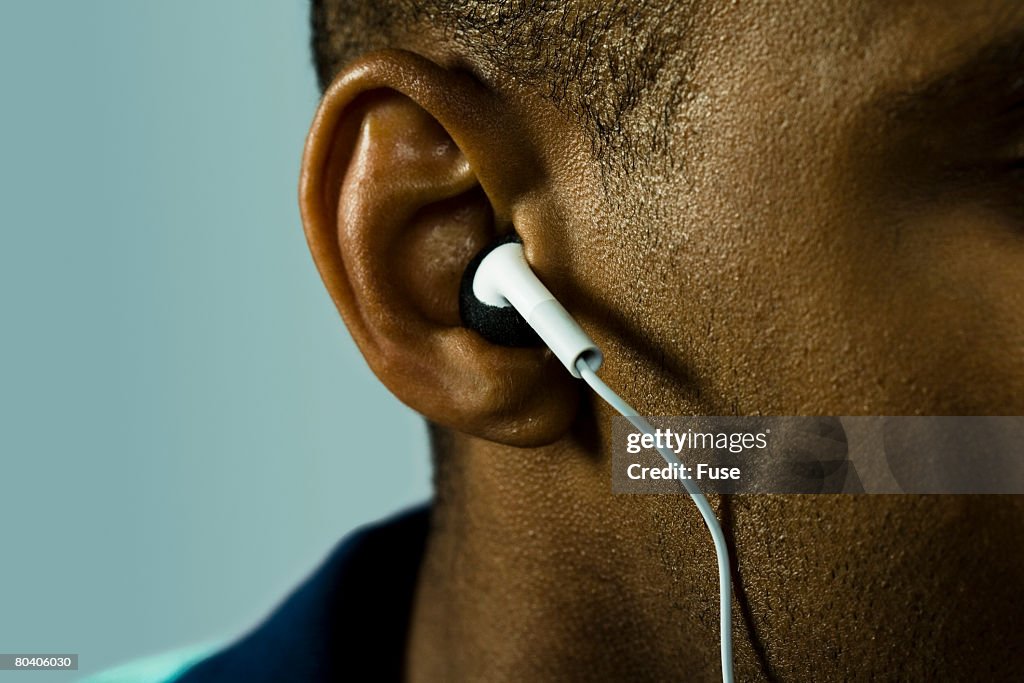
x,y
395,206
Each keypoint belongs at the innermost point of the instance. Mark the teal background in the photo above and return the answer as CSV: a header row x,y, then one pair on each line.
x,y
185,427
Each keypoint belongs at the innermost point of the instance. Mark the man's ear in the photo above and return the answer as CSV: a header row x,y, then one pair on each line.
x,y
410,169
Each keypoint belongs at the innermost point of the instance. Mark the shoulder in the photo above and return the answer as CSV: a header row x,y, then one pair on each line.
x,y
163,668
352,612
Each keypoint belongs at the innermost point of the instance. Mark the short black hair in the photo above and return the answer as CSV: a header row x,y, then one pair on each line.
x,y
596,60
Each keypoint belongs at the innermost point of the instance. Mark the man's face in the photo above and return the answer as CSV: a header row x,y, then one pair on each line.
x,y
835,224
818,210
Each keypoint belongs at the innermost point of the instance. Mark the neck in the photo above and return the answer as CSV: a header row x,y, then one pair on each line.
x,y
534,572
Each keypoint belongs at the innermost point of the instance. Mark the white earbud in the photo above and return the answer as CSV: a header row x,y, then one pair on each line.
x,y
504,278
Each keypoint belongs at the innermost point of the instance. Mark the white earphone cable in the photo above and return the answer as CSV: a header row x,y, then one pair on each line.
x,y
721,549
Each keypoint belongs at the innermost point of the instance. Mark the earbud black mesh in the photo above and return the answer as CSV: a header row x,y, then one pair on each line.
x,y
497,325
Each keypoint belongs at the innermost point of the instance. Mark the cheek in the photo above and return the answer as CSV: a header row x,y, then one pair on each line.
x,y
918,312
874,313
952,294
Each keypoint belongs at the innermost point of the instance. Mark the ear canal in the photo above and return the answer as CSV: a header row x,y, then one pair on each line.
x,y
502,325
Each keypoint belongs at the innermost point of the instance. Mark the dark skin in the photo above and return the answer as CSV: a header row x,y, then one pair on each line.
x,y
833,227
